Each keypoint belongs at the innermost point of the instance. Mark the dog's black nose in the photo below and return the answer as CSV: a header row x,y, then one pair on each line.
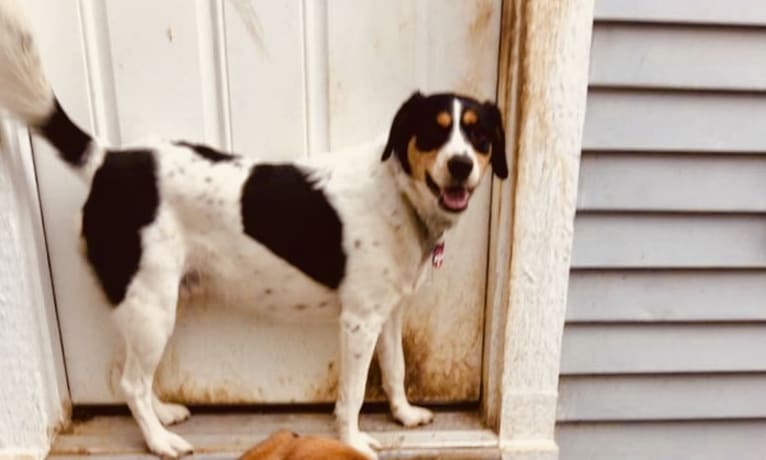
x,y
460,166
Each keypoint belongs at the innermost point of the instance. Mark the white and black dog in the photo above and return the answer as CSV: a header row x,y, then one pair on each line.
x,y
353,231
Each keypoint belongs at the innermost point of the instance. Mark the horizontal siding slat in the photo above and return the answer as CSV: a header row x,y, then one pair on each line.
x,y
674,121
681,182
678,57
628,240
661,398
698,440
670,87
739,12
666,295
657,348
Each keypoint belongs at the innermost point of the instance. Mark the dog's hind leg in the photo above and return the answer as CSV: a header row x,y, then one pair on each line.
x,y
391,359
145,319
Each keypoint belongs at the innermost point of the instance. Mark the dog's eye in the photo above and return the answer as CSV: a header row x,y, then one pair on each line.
x,y
431,137
481,142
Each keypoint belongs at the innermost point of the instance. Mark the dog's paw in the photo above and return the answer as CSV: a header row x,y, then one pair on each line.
x,y
168,445
364,443
410,416
170,413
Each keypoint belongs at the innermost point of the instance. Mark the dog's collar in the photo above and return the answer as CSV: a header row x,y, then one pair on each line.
x,y
431,226
431,237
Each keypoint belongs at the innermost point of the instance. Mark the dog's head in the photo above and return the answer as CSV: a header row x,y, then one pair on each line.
x,y
445,143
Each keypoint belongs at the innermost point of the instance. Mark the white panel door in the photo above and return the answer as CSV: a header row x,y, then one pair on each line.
x,y
322,75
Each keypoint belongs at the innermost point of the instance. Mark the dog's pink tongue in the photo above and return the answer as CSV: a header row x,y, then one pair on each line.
x,y
456,198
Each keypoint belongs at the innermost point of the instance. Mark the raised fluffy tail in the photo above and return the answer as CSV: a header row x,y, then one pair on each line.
x,y
26,93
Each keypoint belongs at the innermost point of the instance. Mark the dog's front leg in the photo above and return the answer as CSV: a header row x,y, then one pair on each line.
x,y
358,335
391,359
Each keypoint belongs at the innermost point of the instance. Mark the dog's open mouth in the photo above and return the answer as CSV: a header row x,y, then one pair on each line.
x,y
453,198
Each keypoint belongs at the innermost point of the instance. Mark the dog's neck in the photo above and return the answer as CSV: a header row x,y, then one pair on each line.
x,y
431,220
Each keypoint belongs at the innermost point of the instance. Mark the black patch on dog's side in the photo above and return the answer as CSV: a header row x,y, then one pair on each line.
x,y
71,142
283,210
123,199
207,152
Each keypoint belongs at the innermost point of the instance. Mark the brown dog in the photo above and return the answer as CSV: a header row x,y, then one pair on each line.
x,y
285,445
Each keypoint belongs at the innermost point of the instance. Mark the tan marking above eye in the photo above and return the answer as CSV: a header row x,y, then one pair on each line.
x,y
444,119
470,117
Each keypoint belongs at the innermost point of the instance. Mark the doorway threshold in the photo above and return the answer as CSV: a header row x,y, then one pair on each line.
x,y
218,436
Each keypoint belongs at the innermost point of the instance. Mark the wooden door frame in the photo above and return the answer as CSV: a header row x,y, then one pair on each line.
x,y
33,386
543,74
542,86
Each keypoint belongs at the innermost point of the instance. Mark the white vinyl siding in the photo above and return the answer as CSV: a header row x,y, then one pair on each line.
x,y
664,349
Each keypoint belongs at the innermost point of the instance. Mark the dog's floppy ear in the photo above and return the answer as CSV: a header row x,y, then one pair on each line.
x,y
402,129
498,160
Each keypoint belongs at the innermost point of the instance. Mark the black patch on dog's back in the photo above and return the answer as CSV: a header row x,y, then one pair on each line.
x,y
283,210
71,142
207,152
123,199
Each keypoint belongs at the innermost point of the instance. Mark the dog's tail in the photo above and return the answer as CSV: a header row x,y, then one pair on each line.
x,y
26,93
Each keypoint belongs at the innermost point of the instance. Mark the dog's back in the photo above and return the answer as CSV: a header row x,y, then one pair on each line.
x,y
285,445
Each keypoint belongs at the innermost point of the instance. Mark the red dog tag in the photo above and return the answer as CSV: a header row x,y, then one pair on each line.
x,y
437,256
